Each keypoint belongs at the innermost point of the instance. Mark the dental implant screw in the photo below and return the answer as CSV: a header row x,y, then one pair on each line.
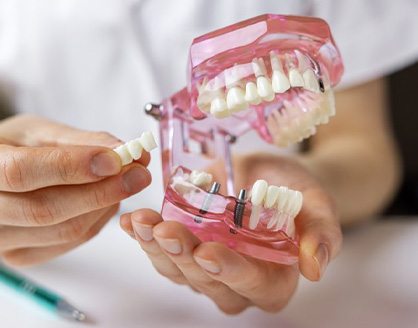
x,y
239,208
154,110
214,189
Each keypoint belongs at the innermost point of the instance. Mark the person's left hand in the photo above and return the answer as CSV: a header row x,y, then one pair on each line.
x,y
232,280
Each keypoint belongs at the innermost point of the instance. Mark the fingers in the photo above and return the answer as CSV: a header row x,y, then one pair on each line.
x,y
53,205
267,285
179,243
29,168
320,234
63,233
31,256
140,225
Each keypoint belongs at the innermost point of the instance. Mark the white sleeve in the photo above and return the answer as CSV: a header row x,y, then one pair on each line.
x,y
375,37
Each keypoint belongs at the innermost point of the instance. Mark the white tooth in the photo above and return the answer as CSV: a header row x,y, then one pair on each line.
x,y
135,148
124,154
258,192
251,94
255,216
235,99
147,141
280,82
291,228
298,203
264,88
218,107
282,198
271,196
291,203
311,82
200,179
331,103
273,220
295,78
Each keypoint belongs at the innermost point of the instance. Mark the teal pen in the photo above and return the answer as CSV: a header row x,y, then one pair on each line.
x,y
41,295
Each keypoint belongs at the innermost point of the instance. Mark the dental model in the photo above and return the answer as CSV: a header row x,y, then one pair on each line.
x,y
273,74
132,150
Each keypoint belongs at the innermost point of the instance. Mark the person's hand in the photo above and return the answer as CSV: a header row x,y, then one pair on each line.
x,y
234,281
58,187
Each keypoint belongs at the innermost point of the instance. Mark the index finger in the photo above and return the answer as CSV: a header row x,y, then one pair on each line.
x,y
30,168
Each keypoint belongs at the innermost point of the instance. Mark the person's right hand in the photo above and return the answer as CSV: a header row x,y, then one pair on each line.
x,y
58,187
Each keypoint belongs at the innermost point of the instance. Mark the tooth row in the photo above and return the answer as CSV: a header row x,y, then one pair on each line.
x,y
132,150
297,120
285,201
239,95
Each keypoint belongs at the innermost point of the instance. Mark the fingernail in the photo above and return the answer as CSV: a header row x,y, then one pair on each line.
x,y
105,164
322,258
172,246
144,231
208,265
135,180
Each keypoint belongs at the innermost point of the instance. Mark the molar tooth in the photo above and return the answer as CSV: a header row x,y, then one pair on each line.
x,y
271,196
147,141
251,94
311,82
295,78
235,99
124,154
218,107
135,148
200,179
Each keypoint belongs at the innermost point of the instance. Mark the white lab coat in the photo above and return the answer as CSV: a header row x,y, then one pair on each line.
x,y
93,64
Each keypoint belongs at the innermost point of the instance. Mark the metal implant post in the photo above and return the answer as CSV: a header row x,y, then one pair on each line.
x,y
214,189
239,208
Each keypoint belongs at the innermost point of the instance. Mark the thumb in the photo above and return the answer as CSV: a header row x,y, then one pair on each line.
x,y
320,234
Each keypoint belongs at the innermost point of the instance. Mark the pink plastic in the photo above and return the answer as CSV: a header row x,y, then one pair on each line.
x,y
193,140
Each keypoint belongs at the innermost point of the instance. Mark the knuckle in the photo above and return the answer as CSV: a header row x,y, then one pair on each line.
x,y
67,169
99,197
274,307
207,286
71,231
13,171
39,210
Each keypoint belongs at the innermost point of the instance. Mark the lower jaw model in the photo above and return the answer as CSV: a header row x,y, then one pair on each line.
x,y
273,74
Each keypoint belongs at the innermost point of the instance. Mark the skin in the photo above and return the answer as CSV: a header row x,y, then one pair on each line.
x,y
56,192
342,180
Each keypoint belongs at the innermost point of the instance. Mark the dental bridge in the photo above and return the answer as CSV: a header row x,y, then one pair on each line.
x,y
273,74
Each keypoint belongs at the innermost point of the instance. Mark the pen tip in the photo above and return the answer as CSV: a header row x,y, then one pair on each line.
x,y
78,315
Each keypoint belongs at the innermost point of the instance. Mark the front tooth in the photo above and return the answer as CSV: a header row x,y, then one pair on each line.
x,y
264,88
254,217
200,179
124,154
235,99
311,82
135,148
280,82
251,94
282,198
331,103
218,107
295,78
147,141
271,196
258,192
298,203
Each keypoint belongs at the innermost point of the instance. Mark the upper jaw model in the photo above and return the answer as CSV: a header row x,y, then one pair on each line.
x,y
273,74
